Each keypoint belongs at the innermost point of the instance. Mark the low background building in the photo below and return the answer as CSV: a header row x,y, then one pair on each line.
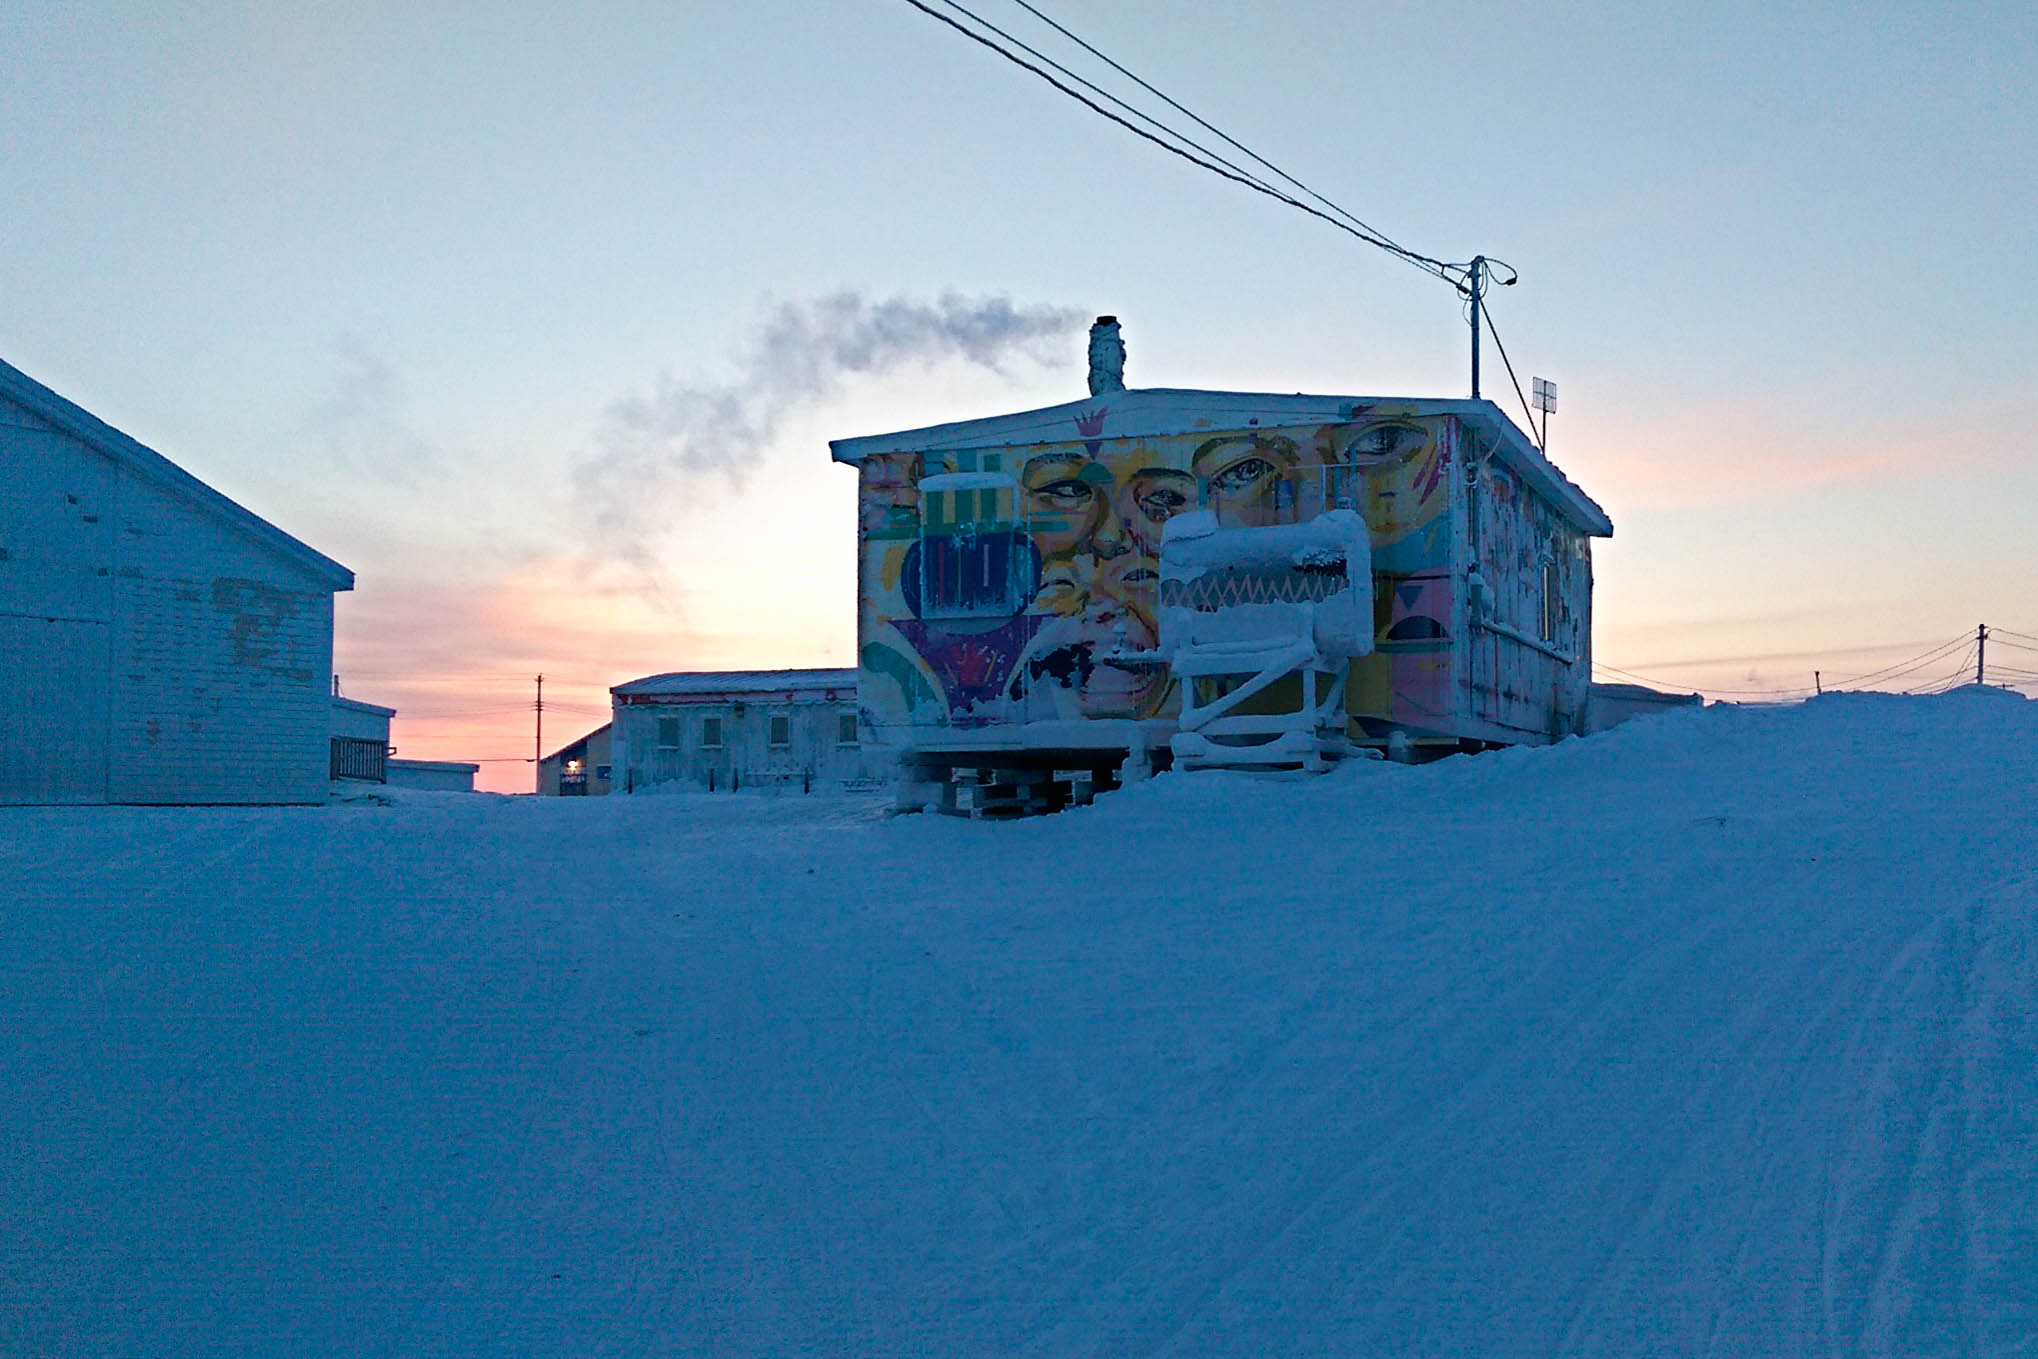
x,y
579,769
1612,704
158,642
438,776
360,742
719,730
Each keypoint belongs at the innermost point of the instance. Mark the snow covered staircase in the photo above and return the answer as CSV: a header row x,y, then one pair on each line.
x,y
1259,626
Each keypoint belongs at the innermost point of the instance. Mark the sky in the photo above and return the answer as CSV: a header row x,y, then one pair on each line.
x,y
503,306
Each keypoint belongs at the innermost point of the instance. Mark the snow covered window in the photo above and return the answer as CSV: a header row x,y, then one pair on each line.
x,y
781,730
711,733
845,729
974,559
668,733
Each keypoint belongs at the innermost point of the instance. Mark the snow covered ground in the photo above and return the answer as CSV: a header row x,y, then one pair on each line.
x,y
1717,1034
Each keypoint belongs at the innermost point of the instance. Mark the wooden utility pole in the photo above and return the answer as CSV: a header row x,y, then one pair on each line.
x,y
1980,651
538,743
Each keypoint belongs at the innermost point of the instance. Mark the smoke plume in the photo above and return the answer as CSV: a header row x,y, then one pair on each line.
x,y
649,445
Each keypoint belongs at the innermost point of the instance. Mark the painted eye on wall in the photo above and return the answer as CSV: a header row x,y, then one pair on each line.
x,y
1241,475
1385,441
1067,494
1162,502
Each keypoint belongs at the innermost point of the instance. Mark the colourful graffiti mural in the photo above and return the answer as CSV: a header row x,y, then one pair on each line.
x,y
998,584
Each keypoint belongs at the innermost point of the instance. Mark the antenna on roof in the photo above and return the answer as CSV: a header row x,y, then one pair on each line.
x,y
1544,393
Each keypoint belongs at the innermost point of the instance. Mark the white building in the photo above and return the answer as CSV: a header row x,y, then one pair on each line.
x,y
724,730
360,748
158,643
436,776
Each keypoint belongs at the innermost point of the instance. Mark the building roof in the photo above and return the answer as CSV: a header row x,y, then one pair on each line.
x,y
577,743
732,683
358,706
145,462
1157,411
435,766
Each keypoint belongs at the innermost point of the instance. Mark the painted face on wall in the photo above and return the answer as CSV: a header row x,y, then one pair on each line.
x,y
1405,476
1251,478
889,498
1096,518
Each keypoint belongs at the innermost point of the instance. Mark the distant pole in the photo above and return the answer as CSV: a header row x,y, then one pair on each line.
x,y
1817,685
1980,650
538,743
1478,291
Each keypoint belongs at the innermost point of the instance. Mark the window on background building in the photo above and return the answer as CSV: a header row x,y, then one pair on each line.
x,y
668,733
845,730
781,730
711,732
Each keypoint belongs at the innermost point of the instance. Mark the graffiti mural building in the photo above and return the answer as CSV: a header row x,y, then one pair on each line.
x,y
1010,569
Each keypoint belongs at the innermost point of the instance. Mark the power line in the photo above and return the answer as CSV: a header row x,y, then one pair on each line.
x,y
1952,681
1495,332
1901,668
1435,267
1208,127
1103,93
1703,689
1887,673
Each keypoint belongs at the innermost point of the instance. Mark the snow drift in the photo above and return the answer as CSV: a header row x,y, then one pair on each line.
x,y
1714,1034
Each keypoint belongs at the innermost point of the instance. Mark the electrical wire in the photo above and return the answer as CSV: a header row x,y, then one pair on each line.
x,y
1494,330
1103,93
1216,131
1945,681
1703,689
1900,668
1434,267
1895,671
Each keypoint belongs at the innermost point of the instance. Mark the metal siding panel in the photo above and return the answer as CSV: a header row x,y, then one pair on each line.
x,y
53,730
55,527
222,664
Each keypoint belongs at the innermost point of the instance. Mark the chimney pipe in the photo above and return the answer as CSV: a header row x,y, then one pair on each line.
x,y
1107,357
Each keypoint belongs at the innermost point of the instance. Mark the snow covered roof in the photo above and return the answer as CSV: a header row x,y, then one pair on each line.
x,y
356,705
733,683
579,742
1157,411
128,452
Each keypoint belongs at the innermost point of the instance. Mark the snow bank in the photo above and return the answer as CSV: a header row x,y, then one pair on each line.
x,y
1717,1033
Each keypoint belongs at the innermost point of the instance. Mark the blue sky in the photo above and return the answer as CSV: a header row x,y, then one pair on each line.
x,y
382,273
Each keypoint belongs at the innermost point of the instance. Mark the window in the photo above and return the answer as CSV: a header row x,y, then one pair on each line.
x,y
781,729
668,733
974,559
711,732
1549,611
845,729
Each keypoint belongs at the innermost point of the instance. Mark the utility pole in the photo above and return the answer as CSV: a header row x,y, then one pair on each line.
x,y
1980,650
1478,285
538,743
1818,686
